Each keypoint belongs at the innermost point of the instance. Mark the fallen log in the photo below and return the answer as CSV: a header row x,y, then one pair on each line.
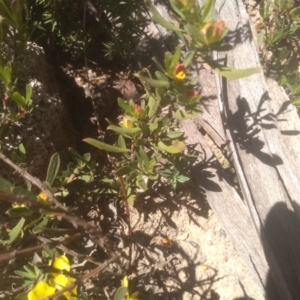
x,y
254,118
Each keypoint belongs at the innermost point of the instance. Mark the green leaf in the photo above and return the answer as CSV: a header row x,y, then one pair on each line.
x,y
176,147
24,274
19,212
105,147
126,107
176,57
144,158
19,99
168,59
16,231
195,32
208,9
182,178
120,293
7,71
295,13
131,200
122,130
158,18
124,171
174,134
5,186
22,296
296,101
20,192
53,168
156,83
233,74
28,93
22,149
158,64
188,58
153,106
182,114
176,8
160,76
121,142
141,183
87,156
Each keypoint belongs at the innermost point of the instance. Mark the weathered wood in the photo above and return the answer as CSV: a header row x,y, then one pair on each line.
x,y
272,179
263,134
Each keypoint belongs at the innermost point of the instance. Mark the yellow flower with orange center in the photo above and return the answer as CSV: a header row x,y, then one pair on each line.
x,y
180,72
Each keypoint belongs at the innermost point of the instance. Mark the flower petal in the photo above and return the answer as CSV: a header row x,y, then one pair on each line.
x,y
61,263
40,291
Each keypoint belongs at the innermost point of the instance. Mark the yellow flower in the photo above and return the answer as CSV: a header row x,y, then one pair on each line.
x,y
127,123
40,291
61,281
43,198
14,205
133,296
180,72
60,263
70,295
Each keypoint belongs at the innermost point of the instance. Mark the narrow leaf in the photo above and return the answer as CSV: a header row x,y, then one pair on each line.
x,y
121,142
188,58
19,99
156,83
174,134
126,107
160,76
233,74
122,130
105,147
158,18
176,57
195,32
53,168
177,9
208,9
176,147
28,92
19,212
153,106
16,231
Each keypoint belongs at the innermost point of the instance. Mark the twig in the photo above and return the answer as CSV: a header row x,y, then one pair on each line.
x,y
95,233
127,212
64,249
50,244
32,179
85,277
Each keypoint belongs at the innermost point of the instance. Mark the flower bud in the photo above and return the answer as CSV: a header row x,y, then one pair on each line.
x,y
139,112
213,31
180,72
190,93
127,123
